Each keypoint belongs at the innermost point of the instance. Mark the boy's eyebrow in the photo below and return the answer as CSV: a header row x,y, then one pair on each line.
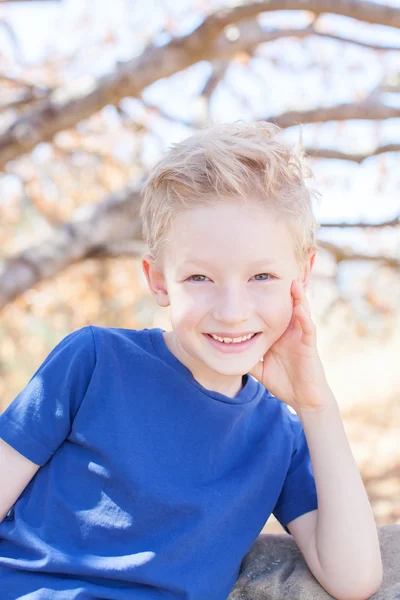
x,y
200,263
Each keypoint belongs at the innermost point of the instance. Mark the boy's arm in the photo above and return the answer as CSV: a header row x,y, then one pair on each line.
x,y
16,471
339,541
40,418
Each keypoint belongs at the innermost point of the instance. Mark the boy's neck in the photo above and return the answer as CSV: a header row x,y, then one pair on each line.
x,y
229,386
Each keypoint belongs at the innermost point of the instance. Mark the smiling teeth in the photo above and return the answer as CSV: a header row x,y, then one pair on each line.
x,y
232,340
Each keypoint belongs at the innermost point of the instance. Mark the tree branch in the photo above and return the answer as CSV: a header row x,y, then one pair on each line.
x,y
370,109
361,10
27,94
310,151
341,254
67,106
219,68
395,222
13,41
114,220
111,229
358,158
250,34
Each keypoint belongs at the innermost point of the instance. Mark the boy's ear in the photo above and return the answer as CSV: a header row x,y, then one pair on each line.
x,y
155,280
308,268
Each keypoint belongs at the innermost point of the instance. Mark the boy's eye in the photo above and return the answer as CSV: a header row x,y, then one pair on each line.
x,y
266,275
191,278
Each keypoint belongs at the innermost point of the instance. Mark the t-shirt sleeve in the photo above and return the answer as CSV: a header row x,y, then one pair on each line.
x,y
299,494
39,419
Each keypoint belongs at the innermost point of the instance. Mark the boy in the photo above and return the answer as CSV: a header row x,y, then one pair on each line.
x,y
143,464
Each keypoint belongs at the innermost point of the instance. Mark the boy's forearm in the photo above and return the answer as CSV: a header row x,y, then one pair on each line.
x,y
346,535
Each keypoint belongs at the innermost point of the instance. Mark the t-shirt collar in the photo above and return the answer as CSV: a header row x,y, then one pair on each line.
x,y
249,392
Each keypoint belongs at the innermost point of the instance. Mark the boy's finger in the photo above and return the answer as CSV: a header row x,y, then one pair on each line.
x,y
303,298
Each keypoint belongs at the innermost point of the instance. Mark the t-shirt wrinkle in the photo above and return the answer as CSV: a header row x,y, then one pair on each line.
x,y
251,390
94,349
150,485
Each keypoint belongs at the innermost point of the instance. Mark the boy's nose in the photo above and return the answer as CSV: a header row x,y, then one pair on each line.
x,y
232,306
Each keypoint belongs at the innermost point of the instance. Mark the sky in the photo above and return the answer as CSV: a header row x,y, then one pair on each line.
x,y
309,74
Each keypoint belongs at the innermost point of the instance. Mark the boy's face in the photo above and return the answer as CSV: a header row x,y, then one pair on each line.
x,y
227,270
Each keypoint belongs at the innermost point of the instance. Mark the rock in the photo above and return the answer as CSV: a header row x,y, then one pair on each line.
x,y
274,569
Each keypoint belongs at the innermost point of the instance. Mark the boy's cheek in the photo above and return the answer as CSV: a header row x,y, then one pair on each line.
x,y
184,317
184,309
280,321
179,298
287,314
279,309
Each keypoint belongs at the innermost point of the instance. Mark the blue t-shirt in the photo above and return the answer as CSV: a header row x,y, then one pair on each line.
x,y
151,486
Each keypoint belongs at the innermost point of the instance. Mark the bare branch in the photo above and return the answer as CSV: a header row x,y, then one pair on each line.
x,y
250,34
370,109
133,248
310,151
218,72
13,41
113,220
355,42
219,68
395,222
67,106
15,81
25,96
162,113
358,158
341,254
362,10
110,229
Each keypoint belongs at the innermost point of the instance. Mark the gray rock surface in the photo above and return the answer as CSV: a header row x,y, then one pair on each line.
x,y
274,569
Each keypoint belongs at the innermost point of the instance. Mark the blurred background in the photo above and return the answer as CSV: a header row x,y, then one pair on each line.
x,y
91,94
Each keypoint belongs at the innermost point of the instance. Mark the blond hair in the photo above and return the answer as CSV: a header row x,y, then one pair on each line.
x,y
239,161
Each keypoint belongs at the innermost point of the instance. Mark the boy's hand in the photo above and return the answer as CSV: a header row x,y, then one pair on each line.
x,y
292,369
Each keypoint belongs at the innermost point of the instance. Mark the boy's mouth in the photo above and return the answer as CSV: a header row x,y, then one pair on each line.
x,y
231,346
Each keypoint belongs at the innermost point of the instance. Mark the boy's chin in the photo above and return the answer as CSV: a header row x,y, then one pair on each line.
x,y
231,370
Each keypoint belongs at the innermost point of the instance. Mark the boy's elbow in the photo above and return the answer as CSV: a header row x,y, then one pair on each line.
x,y
371,591
364,591
353,586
